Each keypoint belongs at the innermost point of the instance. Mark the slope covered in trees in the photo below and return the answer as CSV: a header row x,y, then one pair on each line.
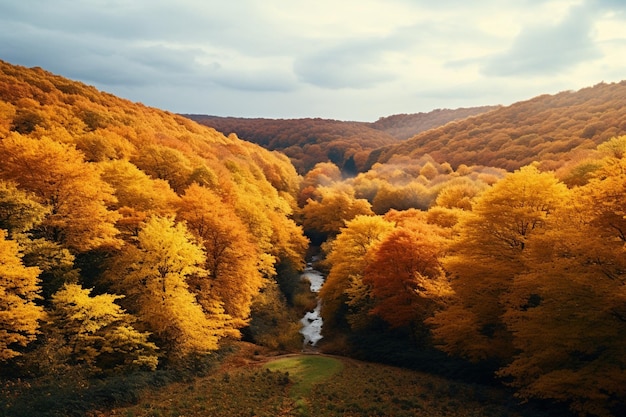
x,y
346,144
130,236
405,126
548,128
521,273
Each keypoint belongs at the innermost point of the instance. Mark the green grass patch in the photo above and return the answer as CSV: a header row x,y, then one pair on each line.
x,y
306,371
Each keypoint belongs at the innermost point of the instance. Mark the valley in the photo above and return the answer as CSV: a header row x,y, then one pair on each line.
x,y
153,266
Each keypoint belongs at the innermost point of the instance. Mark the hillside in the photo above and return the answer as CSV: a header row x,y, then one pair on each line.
x,y
405,126
346,144
307,141
138,214
546,128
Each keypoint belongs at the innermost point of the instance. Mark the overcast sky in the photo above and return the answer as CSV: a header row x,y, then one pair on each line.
x,y
339,59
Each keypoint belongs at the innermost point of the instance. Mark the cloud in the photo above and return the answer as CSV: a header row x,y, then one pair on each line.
x,y
547,50
354,59
93,59
117,44
345,66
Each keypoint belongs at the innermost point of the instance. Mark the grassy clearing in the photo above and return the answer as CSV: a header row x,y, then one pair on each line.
x,y
305,371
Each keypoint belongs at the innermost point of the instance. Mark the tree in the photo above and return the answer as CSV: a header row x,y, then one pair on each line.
x,y
347,259
323,174
272,323
134,188
19,313
165,163
403,270
488,255
138,196
55,262
567,320
58,177
19,210
605,196
567,308
233,276
412,195
336,207
153,275
98,332
459,194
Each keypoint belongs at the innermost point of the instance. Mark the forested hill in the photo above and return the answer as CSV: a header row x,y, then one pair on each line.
x,y
546,128
347,144
107,203
404,126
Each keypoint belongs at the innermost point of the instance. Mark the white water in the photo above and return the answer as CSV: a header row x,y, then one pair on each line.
x,y
312,321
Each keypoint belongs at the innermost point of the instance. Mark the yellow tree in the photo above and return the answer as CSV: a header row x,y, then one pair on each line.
x,y
98,332
337,206
605,196
347,258
267,216
488,255
323,174
19,314
165,163
153,275
59,178
138,196
392,197
19,210
459,193
20,213
231,262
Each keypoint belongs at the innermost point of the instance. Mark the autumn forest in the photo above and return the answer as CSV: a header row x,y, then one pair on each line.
x,y
483,245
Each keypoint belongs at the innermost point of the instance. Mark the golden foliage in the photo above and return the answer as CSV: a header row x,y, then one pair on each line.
x,y
233,277
19,314
153,275
98,332
336,207
82,168
347,260
487,256
58,176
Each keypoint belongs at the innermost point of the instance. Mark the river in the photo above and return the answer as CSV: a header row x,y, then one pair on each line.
x,y
312,321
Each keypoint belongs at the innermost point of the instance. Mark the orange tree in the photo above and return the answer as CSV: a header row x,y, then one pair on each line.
x,y
567,308
403,273
488,254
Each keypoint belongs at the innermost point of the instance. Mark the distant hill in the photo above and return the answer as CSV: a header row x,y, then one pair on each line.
x,y
404,126
547,128
347,144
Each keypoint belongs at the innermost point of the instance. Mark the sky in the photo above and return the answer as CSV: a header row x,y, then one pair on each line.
x,y
337,59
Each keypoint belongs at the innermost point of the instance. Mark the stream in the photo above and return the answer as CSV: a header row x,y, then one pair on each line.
x,y
312,321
